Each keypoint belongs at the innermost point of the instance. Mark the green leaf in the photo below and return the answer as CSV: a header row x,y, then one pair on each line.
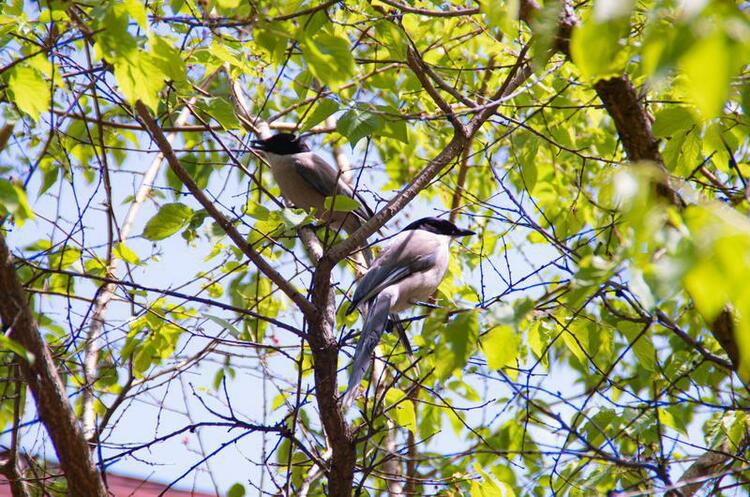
x,y
576,338
236,490
31,93
64,258
232,329
394,126
49,177
8,343
294,217
223,112
113,41
500,346
328,57
597,50
140,77
707,70
229,5
354,125
325,108
256,210
592,272
168,221
137,11
545,26
169,59
460,334
302,84
341,203
672,119
503,15
13,201
642,346
403,413
271,36
490,487
123,252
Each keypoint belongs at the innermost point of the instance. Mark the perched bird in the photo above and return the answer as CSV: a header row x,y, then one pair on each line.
x,y
407,271
306,179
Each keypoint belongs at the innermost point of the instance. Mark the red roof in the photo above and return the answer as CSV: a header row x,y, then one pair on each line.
x,y
125,486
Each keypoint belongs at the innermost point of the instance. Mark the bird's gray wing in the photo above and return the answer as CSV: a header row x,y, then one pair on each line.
x,y
318,173
383,275
326,179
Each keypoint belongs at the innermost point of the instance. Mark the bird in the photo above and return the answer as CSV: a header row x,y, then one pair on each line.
x,y
406,272
306,179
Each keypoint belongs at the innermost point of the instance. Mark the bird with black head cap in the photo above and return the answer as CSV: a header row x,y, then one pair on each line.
x,y
306,179
409,270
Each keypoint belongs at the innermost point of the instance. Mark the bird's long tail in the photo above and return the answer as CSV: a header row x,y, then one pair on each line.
x,y
377,316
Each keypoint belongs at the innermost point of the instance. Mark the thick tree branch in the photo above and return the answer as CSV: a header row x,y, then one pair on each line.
x,y
45,384
106,292
325,350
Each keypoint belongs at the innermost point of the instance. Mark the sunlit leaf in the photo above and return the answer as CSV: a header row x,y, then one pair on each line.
x,y
123,252
500,346
708,89
402,410
597,48
341,203
30,92
355,125
169,220
13,201
322,110
329,57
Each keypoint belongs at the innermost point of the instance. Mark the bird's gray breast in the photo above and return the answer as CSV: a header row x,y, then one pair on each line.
x,y
420,285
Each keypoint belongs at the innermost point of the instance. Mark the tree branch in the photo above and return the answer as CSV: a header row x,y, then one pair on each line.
x,y
431,13
45,384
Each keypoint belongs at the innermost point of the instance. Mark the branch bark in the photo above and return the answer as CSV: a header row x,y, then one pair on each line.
x,y
709,464
45,384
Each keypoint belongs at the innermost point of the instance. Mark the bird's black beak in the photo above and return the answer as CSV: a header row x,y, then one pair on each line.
x,y
463,232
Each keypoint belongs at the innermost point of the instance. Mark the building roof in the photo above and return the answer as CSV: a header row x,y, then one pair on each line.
x,y
126,486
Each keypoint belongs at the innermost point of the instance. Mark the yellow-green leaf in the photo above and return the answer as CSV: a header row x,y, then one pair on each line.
x,y
328,57
140,78
707,69
168,221
322,110
13,201
123,252
30,92
403,413
341,203
597,48
500,346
